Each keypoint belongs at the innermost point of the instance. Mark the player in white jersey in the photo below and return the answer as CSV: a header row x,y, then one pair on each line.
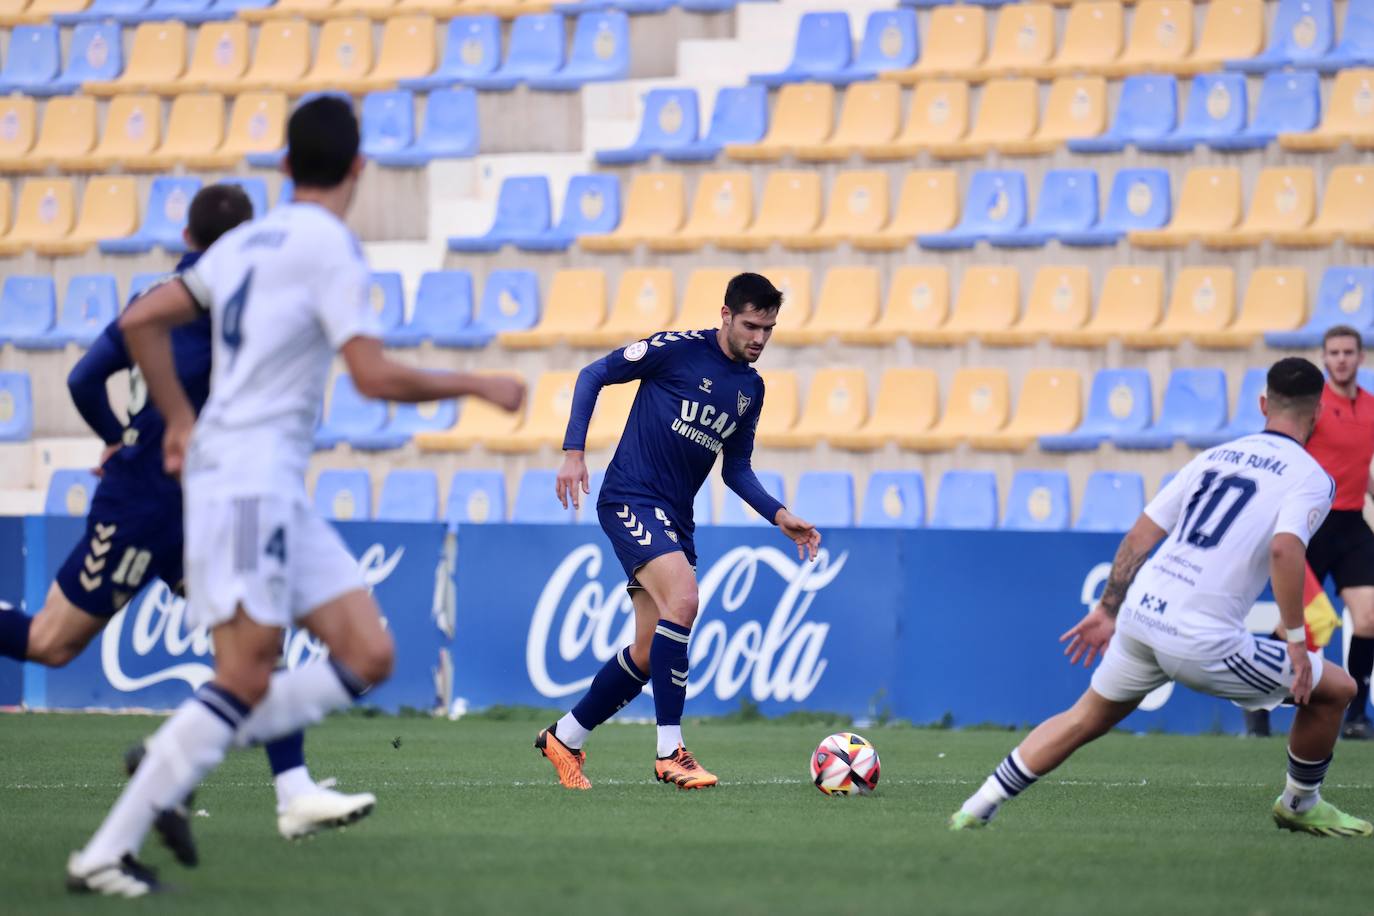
x,y
1235,516
285,293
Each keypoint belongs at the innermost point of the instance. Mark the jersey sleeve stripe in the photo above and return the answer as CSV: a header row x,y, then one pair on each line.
x,y
197,287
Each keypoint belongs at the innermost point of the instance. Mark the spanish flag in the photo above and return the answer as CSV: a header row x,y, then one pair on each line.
x,y
1318,614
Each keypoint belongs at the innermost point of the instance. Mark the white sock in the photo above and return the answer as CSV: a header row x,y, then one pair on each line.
x,y
292,784
571,732
1010,779
1298,797
985,802
669,737
296,699
1303,787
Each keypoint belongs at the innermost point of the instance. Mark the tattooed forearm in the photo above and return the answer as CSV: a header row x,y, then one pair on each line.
x,y
1129,559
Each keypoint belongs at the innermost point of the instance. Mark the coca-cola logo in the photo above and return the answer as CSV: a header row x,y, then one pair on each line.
x,y
777,655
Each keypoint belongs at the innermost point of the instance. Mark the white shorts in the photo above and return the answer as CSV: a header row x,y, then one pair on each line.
x,y
272,555
1258,675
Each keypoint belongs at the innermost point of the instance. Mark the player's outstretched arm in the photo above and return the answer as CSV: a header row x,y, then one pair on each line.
x,y
147,328
376,376
1089,639
802,533
1287,571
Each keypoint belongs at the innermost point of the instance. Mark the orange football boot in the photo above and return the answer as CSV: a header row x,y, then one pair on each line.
x,y
682,770
565,760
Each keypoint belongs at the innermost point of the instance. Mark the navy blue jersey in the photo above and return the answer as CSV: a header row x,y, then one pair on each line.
x,y
694,403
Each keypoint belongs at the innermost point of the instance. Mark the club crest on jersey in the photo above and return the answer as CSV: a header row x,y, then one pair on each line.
x,y
635,351
742,403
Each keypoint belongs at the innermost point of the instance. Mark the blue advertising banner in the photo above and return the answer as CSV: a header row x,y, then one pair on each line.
x,y
12,559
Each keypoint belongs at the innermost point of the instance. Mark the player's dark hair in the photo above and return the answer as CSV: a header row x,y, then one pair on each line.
x,y
746,290
1342,330
1295,384
214,211
321,142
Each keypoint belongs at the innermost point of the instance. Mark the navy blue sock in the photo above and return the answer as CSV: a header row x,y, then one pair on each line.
x,y
286,753
618,682
668,668
14,634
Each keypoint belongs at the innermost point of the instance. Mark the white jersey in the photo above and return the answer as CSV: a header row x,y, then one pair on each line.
x,y
1221,511
285,293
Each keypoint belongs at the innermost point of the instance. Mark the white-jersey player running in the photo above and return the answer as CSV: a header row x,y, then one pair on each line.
x,y
285,293
1235,516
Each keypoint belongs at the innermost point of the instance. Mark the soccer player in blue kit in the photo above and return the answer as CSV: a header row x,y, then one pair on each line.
x,y
698,396
134,534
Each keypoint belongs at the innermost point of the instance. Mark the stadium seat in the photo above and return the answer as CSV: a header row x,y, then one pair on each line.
x,y
1038,501
1347,208
510,302
476,498
1345,296
97,11
966,500
350,414
477,420
858,207
407,52
373,9
823,47
908,401
1120,403
576,301
979,402
45,212
739,116
195,128
825,498
33,58
409,496
1289,101
996,203
836,403
536,502
1303,33
448,131
1356,47
16,407
1131,300
28,307
670,120
1067,204
1112,502
600,52
1275,300
989,299
257,133
723,204
522,212
1050,403
1203,301
296,9
109,209
955,42
1194,403
1022,41
890,42
38,12
535,48
734,511
388,122
1217,108
871,116
794,282
803,116
281,58
1076,109
850,299
1245,419
18,128
927,203
386,295
653,209
156,57
1284,201
343,494
1209,202
1146,110
1139,199
343,58
70,492
133,128
608,419
1094,34
220,57
791,204
644,303
256,189
1060,300
917,301
89,305
1009,112
443,305
938,114
782,403
1161,36
1349,115
894,499
1232,29
591,206
406,421
472,48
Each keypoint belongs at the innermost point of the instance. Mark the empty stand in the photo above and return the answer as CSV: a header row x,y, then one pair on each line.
x,y
825,498
1038,501
1209,202
1203,301
576,300
894,499
343,494
803,116
654,207
1060,300
1050,403
1120,403
978,403
966,500
1111,502
409,496
989,300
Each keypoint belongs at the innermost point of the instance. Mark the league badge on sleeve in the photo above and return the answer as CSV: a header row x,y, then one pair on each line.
x,y
635,351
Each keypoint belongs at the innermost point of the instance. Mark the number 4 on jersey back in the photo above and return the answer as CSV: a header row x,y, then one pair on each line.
x,y
231,331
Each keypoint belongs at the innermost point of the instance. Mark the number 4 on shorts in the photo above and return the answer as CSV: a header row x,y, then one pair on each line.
x,y
276,546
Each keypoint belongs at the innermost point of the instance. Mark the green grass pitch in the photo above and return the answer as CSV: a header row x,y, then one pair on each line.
x,y
470,820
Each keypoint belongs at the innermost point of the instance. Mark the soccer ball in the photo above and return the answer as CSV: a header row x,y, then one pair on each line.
x,y
845,764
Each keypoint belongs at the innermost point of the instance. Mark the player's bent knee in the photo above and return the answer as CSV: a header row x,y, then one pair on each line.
x,y
371,660
682,611
1338,685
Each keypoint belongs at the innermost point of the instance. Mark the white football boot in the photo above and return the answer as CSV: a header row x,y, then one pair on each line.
x,y
322,809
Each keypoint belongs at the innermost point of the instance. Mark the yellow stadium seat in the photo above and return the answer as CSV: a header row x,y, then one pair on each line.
x,y
644,303
133,128
803,116
978,404
194,128
850,299
836,403
1275,300
1349,116
1132,299
220,58
917,300
1209,202
858,206
791,204
373,9
1094,34
1161,36
6,207
343,57
1060,300
871,115
576,301
1233,30
68,130
722,205
109,210
290,9
1051,403
929,202
1076,108
908,402
477,422
506,9
1285,200
256,125
989,299
1203,301
546,416
439,9
956,41
1021,44
280,58
612,410
1348,206
781,402
40,12
653,209
157,57
939,113
12,11
795,285
18,130
407,52
1008,112
703,298
45,212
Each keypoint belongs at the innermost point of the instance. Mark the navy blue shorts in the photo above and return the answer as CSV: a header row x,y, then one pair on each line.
x,y
121,552
639,532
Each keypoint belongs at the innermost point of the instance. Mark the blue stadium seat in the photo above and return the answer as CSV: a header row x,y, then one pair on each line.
x,y
671,119
703,506
824,46
256,189
472,48
633,7
90,304
1194,404
388,122
96,54
1111,502
28,307
966,499
409,496
995,205
387,296
189,11
350,414
535,501
894,499
890,42
825,498
740,115
1148,108
343,494
522,212
1290,101
1067,204
70,492
1120,403
443,306
33,58
709,6
1245,419
1218,107
600,52
1364,377
102,11
407,420
1346,296
1140,199
1303,33
141,281
591,207
449,131
220,10
734,511
16,407
536,49
286,191
510,302
164,219
476,498
1038,501
1356,48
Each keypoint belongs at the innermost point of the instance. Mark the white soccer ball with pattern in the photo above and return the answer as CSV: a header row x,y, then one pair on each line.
x,y
845,764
